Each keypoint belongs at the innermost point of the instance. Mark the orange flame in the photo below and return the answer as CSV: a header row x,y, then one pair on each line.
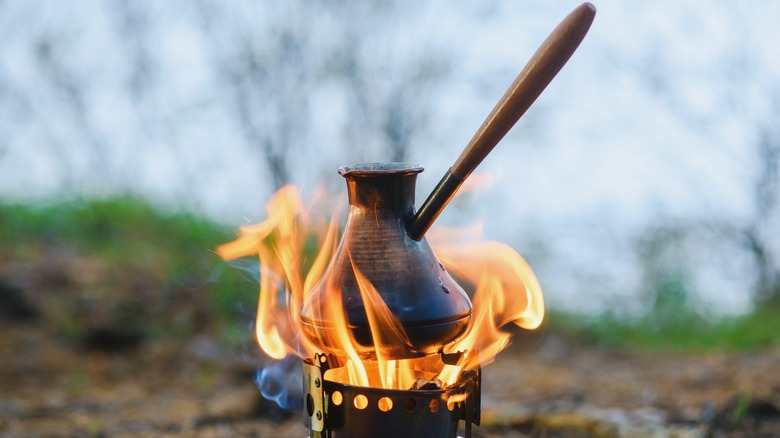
x,y
506,291
278,242
455,399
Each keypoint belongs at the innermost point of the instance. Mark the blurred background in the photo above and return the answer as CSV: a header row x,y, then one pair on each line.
x,y
642,187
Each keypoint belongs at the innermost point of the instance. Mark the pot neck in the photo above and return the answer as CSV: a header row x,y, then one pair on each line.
x,y
382,188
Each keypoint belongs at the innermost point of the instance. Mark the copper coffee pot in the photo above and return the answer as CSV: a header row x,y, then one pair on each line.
x,y
384,236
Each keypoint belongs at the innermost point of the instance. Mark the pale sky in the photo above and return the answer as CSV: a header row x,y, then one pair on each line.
x,y
655,118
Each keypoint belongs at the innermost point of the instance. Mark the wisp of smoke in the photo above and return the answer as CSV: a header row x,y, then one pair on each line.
x,y
280,382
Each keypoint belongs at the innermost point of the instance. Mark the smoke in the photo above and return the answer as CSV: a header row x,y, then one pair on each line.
x,y
247,266
280,382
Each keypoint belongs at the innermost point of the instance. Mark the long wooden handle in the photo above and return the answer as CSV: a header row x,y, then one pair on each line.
x,y
529,84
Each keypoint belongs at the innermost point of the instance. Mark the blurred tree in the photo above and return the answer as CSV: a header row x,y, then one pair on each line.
x,y
96,87
165,96
269,65
390,95
275,59
748,99
757,233
134,24
667,282
67,89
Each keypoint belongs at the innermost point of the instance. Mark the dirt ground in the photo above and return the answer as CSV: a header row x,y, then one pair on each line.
x,y
546,387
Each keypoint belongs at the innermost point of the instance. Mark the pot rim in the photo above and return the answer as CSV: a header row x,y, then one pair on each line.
x,y
380,169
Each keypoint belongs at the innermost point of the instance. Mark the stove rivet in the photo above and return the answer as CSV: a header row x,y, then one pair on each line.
x,y
319,415
317,382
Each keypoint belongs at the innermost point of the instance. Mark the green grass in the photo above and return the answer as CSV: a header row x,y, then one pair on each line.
x,y
167,258
673,320
160,269
690,332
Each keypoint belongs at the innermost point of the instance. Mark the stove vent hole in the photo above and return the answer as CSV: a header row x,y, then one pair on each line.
x,y
360,401
309,404
434,405
385,404
410,405
337,398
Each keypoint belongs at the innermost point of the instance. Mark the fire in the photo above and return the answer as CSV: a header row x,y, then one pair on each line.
x,y
506,291
455,399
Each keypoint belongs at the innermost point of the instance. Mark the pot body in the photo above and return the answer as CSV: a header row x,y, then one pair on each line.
x,y
414,286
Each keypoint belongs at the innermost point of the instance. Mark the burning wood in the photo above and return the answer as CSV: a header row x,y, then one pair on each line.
x,y
423,384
